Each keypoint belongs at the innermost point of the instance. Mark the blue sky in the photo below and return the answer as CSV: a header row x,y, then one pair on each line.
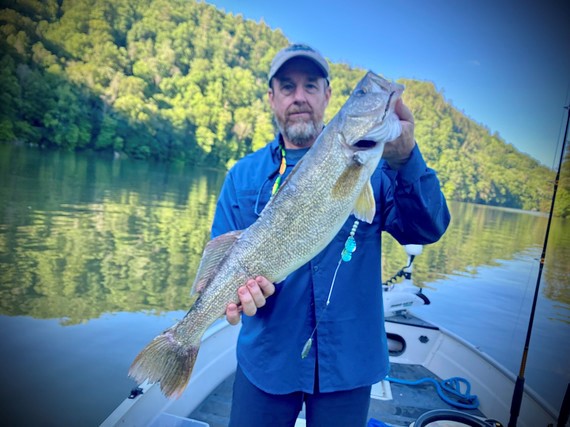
x,y
504,63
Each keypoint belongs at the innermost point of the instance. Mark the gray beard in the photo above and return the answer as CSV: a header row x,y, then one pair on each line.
x,y
299,134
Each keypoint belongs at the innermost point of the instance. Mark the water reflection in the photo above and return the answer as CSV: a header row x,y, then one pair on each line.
x,y
82,235
484,236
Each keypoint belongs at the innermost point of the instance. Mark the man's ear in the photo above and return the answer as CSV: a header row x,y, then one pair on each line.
x,y
328,93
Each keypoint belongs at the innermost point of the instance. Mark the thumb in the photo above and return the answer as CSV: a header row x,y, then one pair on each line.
x,y
403,111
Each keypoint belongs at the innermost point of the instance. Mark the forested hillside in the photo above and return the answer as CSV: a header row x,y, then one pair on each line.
x,y
181,80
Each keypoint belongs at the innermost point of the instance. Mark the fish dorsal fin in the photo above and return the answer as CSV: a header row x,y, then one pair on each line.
x,y
365,206
214,252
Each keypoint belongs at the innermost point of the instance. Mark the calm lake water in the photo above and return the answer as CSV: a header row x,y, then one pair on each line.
x,y
97,256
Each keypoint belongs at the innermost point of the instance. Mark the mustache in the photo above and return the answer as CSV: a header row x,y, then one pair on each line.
x,y
294,110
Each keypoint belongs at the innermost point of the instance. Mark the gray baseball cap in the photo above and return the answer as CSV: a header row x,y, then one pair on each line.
x,y
294,51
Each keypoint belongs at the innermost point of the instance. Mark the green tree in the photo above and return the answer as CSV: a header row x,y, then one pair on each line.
x,y
182,80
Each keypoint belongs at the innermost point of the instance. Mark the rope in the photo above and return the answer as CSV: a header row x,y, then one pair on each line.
x,y
451,386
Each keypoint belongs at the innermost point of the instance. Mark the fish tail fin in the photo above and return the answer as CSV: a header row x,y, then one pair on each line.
x,y
167,361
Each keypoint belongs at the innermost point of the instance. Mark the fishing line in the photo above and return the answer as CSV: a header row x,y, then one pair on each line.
x,y
561,129
309,342
519,324
345,256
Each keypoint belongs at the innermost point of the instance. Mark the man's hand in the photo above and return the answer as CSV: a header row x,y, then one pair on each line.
x,y
398,151
252,296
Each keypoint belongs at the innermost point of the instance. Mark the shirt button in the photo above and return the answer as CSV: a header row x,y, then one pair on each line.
x,y
316,268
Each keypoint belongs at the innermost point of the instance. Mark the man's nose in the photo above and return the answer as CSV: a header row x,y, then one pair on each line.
x,y
300,95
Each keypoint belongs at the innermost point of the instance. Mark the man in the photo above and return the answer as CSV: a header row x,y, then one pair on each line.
x,y
349,351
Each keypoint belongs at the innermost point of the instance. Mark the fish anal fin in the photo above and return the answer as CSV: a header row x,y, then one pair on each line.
x,y
214,253
365,206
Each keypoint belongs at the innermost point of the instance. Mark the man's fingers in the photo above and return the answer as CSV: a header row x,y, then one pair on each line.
x,y
403,111
256,292
267,287
233,315
251,296
247,302
398,151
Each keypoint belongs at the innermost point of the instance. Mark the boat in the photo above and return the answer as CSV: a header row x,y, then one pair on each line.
x,y
435,376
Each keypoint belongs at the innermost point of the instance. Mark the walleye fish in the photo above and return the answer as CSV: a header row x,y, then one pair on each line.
x,y
330,182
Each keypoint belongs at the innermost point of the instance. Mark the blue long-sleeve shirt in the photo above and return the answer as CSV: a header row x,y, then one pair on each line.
x,y
350,342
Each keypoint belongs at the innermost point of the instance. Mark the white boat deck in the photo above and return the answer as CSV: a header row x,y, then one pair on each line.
x,y
406,405
419,350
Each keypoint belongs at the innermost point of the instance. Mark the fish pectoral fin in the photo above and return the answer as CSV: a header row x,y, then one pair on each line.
x,y
214,253
365,206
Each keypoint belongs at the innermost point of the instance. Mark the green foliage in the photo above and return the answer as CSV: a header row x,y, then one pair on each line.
x,y
181,80
473,165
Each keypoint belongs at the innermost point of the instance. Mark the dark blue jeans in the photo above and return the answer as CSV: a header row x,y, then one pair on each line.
x,y
252,407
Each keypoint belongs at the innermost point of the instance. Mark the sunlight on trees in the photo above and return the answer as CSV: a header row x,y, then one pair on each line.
x,y
183,81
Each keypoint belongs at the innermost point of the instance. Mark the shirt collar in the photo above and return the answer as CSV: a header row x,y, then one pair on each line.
x,y
276,149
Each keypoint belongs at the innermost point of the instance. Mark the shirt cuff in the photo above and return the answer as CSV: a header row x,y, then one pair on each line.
x,y
413,169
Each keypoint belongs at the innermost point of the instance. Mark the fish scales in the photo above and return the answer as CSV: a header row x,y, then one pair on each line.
x,y
330,182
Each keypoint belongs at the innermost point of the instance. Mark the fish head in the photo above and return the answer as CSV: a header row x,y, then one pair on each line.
x,y
367,119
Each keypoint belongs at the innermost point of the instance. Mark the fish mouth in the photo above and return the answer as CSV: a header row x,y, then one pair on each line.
x,y
391,103
370,144
364,144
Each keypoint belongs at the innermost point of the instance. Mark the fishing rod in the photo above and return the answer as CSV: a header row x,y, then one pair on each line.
x,y
519,385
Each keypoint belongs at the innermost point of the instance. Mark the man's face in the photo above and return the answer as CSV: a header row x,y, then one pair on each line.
x,y
298,97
